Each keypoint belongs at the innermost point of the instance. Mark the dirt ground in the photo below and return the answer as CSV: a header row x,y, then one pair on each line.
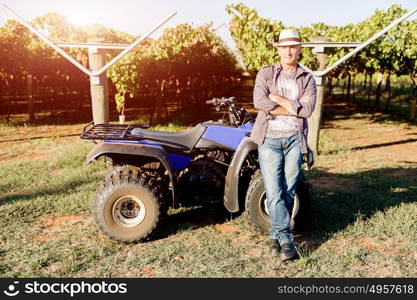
x,y
363,144
28,141
396,143
352,143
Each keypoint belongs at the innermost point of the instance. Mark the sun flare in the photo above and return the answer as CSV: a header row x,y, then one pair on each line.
x,y
79,19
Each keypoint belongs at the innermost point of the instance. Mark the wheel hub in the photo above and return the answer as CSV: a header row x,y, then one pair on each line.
x,y
295,207
128,211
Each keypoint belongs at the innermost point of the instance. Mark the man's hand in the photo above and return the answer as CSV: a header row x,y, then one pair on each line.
x,y
284,102
280,111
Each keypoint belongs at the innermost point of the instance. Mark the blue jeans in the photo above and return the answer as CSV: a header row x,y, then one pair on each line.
x,y
280,162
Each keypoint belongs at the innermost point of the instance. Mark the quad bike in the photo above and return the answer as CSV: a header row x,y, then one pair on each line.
x,y
151,171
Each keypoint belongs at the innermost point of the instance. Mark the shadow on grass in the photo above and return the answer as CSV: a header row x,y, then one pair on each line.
x,y
38,138
192,219
53,190
373,146
339,201
343,199
384,144
340,110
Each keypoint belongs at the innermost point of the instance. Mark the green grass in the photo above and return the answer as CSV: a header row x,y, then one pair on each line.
x,y
328,146
46,230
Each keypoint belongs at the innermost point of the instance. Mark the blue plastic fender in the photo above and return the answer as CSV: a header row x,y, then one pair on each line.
x,y
231,188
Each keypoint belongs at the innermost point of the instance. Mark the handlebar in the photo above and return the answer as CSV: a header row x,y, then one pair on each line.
x,y
233,114
213,101
221,101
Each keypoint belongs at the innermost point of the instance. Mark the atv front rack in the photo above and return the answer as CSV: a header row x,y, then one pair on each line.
x,y
111,131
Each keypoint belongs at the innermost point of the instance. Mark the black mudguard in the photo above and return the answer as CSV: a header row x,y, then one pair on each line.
x,y
231,188
134,150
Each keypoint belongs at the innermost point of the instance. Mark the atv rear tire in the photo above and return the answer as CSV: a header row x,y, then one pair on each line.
x,y
127,206
255,207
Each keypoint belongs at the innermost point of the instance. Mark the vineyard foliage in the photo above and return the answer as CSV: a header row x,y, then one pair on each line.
x,y
191,59
395,52
187,58
23,54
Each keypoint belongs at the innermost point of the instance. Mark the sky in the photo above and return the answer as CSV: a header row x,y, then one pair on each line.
x,y
139,16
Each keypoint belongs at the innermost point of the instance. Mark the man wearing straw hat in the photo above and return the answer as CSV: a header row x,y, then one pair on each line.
x,y
285,96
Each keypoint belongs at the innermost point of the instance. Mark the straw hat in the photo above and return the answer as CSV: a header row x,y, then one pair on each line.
x,y
288,37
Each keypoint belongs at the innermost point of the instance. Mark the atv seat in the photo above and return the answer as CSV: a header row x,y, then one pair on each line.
x,y
184,141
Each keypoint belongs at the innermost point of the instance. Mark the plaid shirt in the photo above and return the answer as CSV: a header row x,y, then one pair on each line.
x,y
265,84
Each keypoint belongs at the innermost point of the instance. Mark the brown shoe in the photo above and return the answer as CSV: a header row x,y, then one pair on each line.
x,y
287,251
274,248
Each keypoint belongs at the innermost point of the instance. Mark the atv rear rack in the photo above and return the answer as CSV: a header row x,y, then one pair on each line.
x,y
111,131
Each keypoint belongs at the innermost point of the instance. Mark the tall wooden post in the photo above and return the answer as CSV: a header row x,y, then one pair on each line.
x,y
379,79
98,84
413,105
30,98
315,118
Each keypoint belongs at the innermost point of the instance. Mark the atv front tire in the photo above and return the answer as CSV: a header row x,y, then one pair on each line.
x,y
257,213
127,206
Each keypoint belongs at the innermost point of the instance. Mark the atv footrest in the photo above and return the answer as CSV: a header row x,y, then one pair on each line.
x,y
112,132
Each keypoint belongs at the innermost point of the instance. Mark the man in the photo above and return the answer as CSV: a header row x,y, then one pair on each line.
x,y
285,96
